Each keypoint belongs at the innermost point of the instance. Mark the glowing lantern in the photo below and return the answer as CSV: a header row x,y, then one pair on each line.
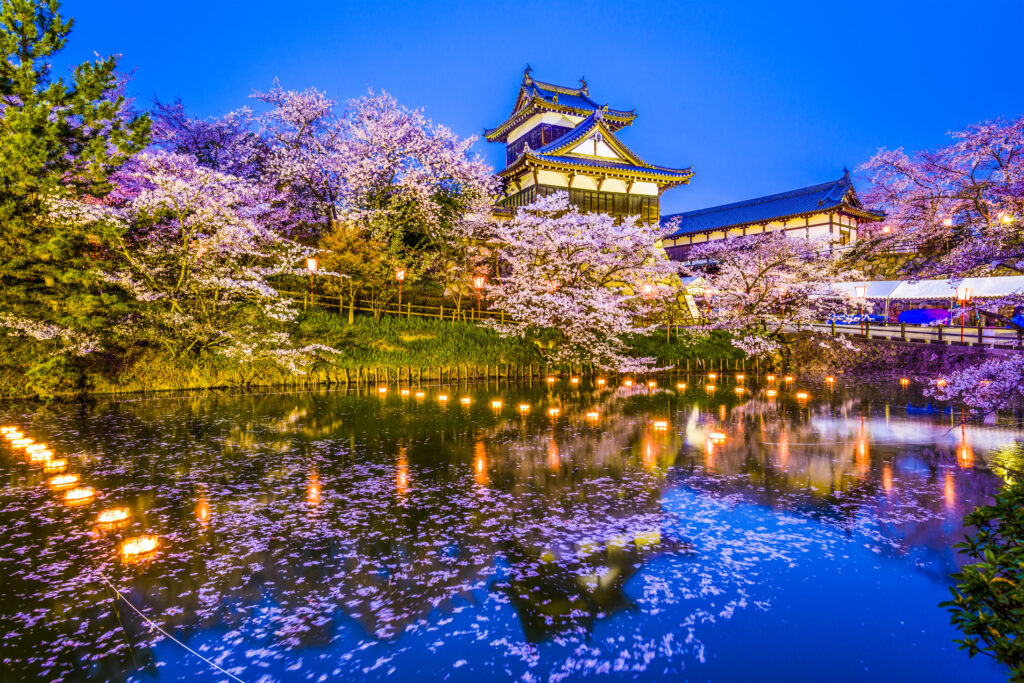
x,y
554,412
55,466
593,415
22,443
738,390
627,383
524,407
138,547
600,381
965,457
63,481
948,222
551,380
940,383
382,390
771,378
740,378
13,434
660,425
574,380
652,384
32,447
465,400
420,394
716,437
712,375
442,397
771,393
710,387
904,382
403,392
496,404
787,378
681,385
80,495
830,379
886,229
4,430
312,264
802,395
40,456
113,516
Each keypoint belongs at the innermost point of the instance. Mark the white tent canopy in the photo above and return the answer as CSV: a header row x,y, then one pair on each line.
x,y
983,288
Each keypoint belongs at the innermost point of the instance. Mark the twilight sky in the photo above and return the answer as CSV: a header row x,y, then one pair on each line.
x,y
759,97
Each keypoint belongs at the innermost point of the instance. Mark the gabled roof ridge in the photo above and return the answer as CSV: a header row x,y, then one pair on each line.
x,y
557,88
842,182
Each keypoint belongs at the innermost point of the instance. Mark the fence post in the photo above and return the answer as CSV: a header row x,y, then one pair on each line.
x,y
833,323
940,334
981,335
903,331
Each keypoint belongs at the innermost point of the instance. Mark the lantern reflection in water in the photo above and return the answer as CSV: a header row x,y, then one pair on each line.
x,y
712,375
402,472
787,378
524,408
660,425
420,394
949,490
575,380
554,461
442,398
681,385
554,412
771,393
382,390
465,400
41,456
33,447
802,395
313,489
496,404
904,382
403,392
63,481
593,415
601,381
480,463
113,517
80,495
770,378
202,511
717,437
650,454
139,548
965,456
22,443
710,387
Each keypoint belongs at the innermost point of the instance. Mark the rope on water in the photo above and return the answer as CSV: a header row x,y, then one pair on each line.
x,y
153,624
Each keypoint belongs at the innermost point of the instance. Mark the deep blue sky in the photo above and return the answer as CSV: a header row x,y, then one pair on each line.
x,y
759,97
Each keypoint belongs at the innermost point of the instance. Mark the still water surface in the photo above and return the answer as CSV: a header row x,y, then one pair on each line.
x,y
328,536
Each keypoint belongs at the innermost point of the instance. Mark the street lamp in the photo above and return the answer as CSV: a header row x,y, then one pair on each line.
x,y
963,297
478,283
311,265
400,276
860,292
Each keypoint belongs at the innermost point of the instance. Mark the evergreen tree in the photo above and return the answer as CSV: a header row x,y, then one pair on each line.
x,y
59,139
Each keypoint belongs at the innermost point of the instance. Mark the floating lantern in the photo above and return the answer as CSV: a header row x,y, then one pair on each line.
x,y
940,383
382,390
13,434
904,382
4,430
80,495
593,415
716,437
551,380
787,378
465,400
738,390
710,387
600,381
32,447
138,547
681,385
22,442
554,412
627,383
652,384
802,395
403,392
55,466
442,397
524,407
40,455
740,377
574,380
63,481
496,404
771,393
830,379
113,516
712,375
771,378
660,425
420,394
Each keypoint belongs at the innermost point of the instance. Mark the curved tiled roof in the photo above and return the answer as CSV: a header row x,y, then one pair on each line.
x,y
806,200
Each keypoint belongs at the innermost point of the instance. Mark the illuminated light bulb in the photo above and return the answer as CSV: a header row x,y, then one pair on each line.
x,y
551,380
80,495
574,380
652,384
681,385
712,375
940,382
740,378
496,404
770,378
904,381
465,400
55,466
710,387
771,393
660,425
22,443
787,378
40,456
113,516
627,383
593,415
138,547
802,395
524,407
554,412
830,379
63,481
600,381
403,392
442,397
32,447
382,390
420,394
716,437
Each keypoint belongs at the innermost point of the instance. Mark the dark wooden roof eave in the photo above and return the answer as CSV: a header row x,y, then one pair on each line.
x,y
524,161
846,208
500,132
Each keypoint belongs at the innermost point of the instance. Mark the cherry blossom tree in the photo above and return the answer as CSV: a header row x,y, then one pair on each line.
x,y
571,282
197,250
758,285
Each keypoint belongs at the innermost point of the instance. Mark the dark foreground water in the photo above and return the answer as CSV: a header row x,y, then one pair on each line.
x,y
332,536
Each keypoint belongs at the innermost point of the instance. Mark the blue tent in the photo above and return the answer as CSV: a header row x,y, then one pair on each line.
x,y
925,316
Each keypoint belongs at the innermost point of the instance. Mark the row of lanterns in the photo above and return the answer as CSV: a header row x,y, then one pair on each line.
x,y
74,493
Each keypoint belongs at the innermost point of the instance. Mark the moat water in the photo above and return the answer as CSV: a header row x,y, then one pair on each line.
x,y
538,533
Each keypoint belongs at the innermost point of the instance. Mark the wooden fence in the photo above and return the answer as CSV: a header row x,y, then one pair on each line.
x,y
444,310
991,337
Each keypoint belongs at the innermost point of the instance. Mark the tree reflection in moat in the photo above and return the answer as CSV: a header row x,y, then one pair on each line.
x,y
302,520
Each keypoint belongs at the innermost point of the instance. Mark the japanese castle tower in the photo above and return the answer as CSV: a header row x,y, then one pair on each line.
x,y
557,139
